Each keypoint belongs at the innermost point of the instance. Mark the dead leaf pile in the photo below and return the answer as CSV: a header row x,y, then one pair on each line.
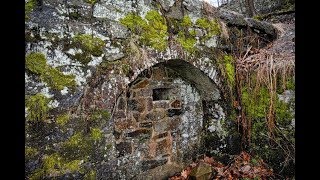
x,y
242,166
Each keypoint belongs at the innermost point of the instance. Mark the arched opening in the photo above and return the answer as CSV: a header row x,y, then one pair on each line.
x,y
165,113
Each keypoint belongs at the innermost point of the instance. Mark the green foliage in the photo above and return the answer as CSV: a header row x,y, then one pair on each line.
x,y
62,119
29,6
211,26
283,113
37,106
290,84
36,63
87,42
152,32
256,104
96,134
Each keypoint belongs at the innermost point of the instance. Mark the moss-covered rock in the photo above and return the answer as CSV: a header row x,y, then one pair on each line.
x,y
37,107
152,32
36,63
89,43
62,119
211,27
29,6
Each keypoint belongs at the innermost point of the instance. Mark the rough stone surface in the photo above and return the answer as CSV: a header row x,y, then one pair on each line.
x,y
138,133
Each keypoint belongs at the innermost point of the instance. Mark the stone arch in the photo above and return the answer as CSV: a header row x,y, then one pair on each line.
x,y
164,114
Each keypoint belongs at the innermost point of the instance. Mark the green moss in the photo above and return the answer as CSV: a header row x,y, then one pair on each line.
x,y
78,146
109,146
256,104
96,134
36,63
100,114
90,175
72,166
55,164
75,140
30,152
87,42
37,174
152,32
230,70
156,36
290,84
211,27
187,43
29,6
83,58
258,17
37,106
62,119
57,80
283,113
186,21
91,1
134,22
126,69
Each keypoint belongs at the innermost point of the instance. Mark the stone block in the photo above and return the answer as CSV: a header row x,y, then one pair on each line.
x,y
156,115
161,126
161,104
147,124
141,84
174,112
139,132
176,104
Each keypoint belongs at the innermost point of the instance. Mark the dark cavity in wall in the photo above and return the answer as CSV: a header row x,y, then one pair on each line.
x,y
160,94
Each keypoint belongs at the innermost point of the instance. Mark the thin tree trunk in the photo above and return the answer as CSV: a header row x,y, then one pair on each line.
x,y
250,8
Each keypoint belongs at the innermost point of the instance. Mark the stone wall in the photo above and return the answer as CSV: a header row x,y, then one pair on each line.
x,y
111,104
